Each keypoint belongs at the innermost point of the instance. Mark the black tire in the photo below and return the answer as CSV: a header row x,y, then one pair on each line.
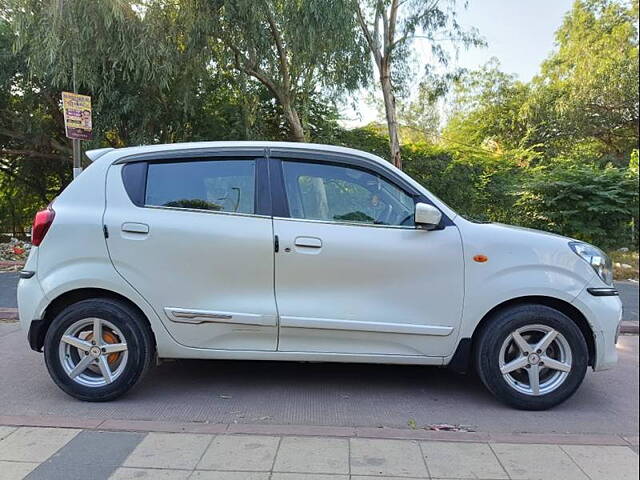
x,y
500,327
136,332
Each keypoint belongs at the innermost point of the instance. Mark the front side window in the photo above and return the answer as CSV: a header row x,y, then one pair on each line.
x,y
343,194
217,185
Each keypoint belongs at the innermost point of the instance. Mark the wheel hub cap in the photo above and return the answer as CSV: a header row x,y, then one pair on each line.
x,y
534,359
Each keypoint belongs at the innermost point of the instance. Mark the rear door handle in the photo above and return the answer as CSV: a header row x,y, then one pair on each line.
x,y
308,242
133,227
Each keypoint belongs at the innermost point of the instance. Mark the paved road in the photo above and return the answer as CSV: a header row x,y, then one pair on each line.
x,y
8,287
322,394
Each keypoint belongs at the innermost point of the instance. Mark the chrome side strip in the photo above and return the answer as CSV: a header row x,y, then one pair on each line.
x,y
196,317
371,327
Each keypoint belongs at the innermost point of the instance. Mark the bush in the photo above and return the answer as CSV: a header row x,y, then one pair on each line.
x,y
598,205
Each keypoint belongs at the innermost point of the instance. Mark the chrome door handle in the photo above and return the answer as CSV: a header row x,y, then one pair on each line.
x,y
134,227
308,242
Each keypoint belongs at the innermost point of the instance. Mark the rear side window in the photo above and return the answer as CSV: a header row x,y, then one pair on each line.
x,y
214,185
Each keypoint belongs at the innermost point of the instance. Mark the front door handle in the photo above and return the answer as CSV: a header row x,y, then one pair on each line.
x,y
134,227
308,242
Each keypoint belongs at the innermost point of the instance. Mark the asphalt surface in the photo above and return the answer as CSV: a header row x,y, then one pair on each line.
x,y
8,288
282,393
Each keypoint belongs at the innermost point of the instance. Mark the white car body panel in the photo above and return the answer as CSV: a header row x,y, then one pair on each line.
x,y
368,289
404,304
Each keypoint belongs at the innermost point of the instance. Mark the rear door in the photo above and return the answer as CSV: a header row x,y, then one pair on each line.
x,y
353,273
195,238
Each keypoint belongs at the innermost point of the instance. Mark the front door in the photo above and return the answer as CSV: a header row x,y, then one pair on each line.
x,y
353,275
187,236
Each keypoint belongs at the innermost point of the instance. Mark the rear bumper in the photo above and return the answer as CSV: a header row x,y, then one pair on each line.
x,y
31,303
604,314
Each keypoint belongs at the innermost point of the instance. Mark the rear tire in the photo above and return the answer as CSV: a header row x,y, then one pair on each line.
x,y
531,357
97,349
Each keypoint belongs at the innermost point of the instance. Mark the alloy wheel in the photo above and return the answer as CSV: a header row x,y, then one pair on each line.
x,y
535,359
93,352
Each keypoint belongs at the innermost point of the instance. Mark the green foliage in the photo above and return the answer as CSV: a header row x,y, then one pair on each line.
x,y
582,201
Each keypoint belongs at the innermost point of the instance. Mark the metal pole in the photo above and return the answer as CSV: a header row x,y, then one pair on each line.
x,y
77,165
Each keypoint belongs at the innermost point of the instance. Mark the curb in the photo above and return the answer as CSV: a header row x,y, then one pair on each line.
x,y
9,314
596,439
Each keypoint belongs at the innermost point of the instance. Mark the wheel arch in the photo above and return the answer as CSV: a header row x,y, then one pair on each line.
x,y
462,358
38,329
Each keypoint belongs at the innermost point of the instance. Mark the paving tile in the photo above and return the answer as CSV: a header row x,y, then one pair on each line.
x,y
313,455
605,462
6,431
240,452
376,477
309,476
387,457
168,450
15,470
101,452
537,462
31,444
149,474
461,460
209,475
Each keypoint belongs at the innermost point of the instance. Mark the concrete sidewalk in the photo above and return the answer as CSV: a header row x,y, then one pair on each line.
x,y
68,454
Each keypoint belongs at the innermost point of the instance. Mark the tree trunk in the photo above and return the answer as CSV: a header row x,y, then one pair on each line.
x,y
392,119
295,125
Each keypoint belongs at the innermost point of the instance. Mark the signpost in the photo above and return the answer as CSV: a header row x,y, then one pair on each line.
x,y
77,123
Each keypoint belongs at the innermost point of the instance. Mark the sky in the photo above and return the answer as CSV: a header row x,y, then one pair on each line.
x,y
520,33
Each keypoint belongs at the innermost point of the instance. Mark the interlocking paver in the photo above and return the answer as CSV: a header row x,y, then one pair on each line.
x,y
210,475
462,460
313,455
605,462
149,474
6,431
240,452
168,450
309,476
537,462
15,470
387,457
32,444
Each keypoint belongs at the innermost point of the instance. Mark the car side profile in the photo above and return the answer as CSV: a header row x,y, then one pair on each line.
x,y
302,252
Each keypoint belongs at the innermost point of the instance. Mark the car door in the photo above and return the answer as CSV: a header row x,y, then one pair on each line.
x,y
195,238
353,275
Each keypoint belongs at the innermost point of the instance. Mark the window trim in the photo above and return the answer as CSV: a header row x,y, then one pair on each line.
x,y
279,194
262,186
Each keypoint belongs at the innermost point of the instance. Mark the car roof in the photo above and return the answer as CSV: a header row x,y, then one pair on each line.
x,y
117,154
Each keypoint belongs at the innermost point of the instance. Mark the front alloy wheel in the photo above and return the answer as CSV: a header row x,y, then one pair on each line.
x,y
535,359
532,357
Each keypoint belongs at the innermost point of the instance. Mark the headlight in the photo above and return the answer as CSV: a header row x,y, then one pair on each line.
x,y
595,257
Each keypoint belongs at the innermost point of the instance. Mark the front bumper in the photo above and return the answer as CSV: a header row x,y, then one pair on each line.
x,y
604,314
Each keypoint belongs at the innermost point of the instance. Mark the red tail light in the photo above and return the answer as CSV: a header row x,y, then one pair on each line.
x,y
41,223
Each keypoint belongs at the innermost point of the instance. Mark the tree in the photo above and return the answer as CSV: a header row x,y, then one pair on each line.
x,y
591,82
295,48
390,27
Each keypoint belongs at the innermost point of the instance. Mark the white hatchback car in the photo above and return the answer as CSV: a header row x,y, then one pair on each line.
x,y
282,251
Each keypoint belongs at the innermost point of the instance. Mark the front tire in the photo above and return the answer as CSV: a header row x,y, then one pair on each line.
x,y
98,349
531,357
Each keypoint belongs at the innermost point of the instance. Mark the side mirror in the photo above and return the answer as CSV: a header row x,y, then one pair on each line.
x,y
427,216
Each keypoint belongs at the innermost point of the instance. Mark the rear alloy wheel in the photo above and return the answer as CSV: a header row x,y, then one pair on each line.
x,y
531,356
97,349
93,352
